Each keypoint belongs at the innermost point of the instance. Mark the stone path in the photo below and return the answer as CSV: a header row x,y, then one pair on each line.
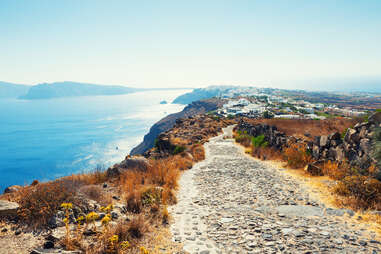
x,y
232,204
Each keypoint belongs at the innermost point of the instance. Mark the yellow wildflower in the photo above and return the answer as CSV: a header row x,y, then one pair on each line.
x,y
114,238
106,220
125,245
67,205
143,250
92,216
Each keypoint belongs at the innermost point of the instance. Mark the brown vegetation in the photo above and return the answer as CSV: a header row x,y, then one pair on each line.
x,y
298,128
296,155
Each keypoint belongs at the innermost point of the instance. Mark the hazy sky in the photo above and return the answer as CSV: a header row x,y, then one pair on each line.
x,y
188,43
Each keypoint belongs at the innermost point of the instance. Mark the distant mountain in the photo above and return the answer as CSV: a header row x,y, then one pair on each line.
x,y
73,89
10,90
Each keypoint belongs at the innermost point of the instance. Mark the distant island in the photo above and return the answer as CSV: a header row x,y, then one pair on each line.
x,y
72,89
10,90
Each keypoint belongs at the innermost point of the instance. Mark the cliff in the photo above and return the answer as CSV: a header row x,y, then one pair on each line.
x,y
197,107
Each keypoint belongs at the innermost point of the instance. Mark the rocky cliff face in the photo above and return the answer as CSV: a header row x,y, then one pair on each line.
x,y
198,107
355,147
187,132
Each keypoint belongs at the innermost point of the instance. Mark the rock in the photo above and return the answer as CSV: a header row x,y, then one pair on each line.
x,y
335,136
300,210
375,118
114,215
316,152
313,170
340,153
8,209
324,141
48,245
351,136
365,145
137,163
11,189
89,232
55,221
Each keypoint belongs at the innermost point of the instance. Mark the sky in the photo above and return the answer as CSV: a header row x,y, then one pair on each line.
x,y
194,43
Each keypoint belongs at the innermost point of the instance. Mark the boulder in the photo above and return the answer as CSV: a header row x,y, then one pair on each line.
x,y
375,118
137,163
11,189
335,136
365,145
340,153
351,136
8,209
316,152
324,141
313,170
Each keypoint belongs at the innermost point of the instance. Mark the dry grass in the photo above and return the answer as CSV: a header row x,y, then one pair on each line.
x,y
296,155
335,170
40,202
297,128
95,192
359,192
198,152
266,153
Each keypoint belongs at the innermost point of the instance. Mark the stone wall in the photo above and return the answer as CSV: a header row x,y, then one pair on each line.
x,y
355,147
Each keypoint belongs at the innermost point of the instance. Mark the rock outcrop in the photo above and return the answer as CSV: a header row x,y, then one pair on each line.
x,y
195,108
135,163
8,209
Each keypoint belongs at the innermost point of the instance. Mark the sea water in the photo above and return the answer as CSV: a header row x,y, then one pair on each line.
x,y
46,139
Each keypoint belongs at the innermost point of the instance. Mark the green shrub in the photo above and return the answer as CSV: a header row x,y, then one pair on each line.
x,y
259,141
178,149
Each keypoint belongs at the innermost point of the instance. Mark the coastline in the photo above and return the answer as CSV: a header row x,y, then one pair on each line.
x,y
74,135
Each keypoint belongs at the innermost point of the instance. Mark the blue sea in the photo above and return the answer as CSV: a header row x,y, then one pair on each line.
x,y
46,139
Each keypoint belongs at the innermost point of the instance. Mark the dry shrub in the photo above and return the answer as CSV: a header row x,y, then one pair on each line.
x,y
96,176
134,203
266,153
198,152
296,155
39,203
165,215
243,139
165,171
336,170
130,179
361,192
137,227
169,196
95,192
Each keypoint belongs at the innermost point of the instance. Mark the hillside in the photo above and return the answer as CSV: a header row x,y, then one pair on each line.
x,y
198,107
72,89
10,90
